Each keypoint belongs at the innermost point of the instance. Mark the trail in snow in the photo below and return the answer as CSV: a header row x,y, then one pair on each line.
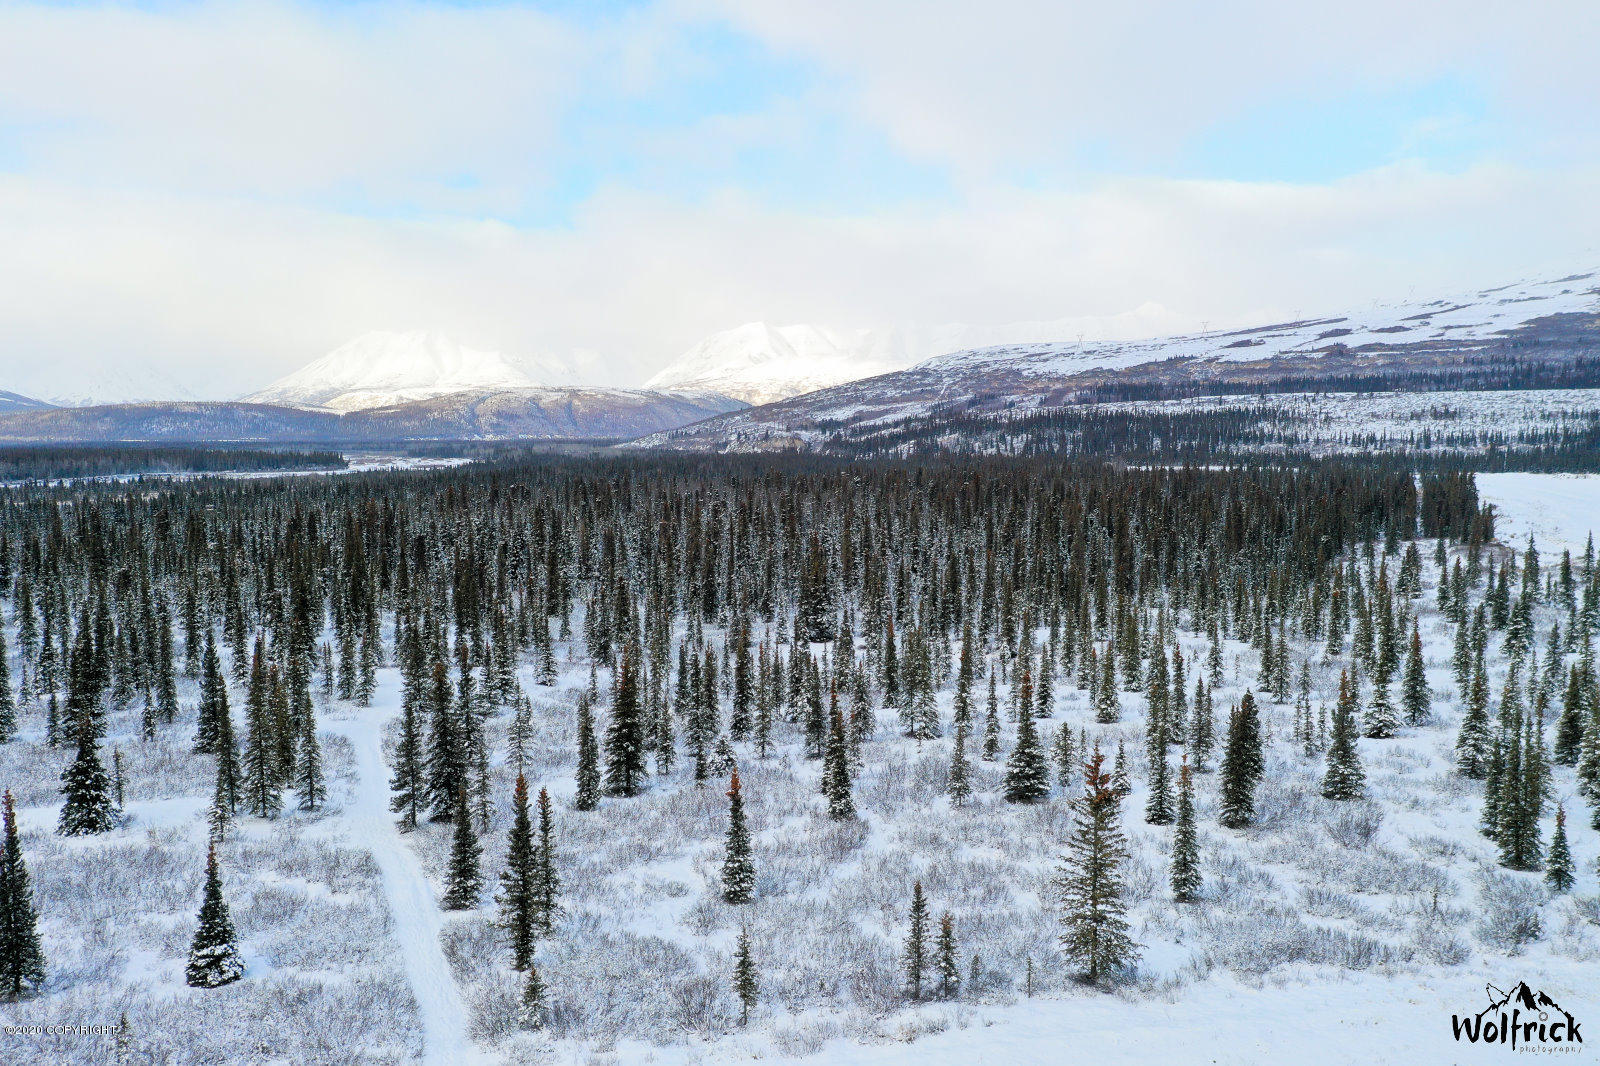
x,y
416,913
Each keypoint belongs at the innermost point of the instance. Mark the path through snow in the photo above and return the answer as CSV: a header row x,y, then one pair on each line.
x,y
412,906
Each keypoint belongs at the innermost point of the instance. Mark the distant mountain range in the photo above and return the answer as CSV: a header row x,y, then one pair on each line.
x,y
1446,344
495,414
11,401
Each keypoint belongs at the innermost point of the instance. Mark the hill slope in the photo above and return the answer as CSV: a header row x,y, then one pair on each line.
x,y
382,369
1543,328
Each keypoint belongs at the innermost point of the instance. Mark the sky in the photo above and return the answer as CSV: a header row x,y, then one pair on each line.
x,y
196,198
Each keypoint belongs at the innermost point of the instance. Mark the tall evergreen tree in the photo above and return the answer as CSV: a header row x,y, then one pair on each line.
x,y
214,959
916,943
1414,695
463,879
738,868
1027,770
949,964
625,746
836,772
1344,779
88,808
517,899
746,983
1094,934
1558,872
587,796
1185,875
22,968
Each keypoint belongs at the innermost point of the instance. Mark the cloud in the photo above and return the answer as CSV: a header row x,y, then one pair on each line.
x,y
229,295
220,192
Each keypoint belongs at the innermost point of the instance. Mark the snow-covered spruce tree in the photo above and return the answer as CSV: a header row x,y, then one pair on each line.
x,y
407,784
463,879
991,723
88,808
8,701
1202,728
1121,780
1185,876
949,964
22,967
1558,871
1027,770
1569,724
213,699
1158,808
1094,928
546,882
446,773
587,796
916,943
1065,755
1241,766
1382,719
625,734
214,959
1344,779
960,786
517,900
836,773
261,777
310,787
1415,698
746,982
738,868
1473,739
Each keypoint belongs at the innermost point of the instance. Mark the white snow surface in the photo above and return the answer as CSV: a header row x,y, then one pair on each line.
x,y
379,369
413,908
1474,316
1560,511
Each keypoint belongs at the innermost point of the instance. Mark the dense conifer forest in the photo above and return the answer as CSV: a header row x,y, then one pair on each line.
x,y
663,734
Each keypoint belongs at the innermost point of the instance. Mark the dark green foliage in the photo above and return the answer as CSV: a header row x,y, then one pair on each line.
x,y
88,808
1027,770
587,797
463,880
949,962
1185,874
517,898
1094,927
916,949
1242,765
1344,779
22,968
1558,868
738,868
746,983
214,960
625,736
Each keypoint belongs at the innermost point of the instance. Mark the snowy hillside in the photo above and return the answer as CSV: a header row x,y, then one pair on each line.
x,y
11,401
1470,342
761,363
381,369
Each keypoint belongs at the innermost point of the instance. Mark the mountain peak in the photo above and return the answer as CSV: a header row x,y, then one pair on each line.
x,y
382,368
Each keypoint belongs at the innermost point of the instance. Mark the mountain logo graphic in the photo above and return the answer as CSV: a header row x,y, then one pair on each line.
x,y
1516,1018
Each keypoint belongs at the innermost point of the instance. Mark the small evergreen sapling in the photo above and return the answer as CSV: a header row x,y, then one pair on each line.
x,y
738,868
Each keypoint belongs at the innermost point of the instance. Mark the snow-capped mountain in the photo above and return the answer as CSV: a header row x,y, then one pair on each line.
x,y
380,369
1548,321
11,401
761,363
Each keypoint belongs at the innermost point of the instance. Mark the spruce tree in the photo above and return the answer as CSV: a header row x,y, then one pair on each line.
x,y
1094,934
949,964
1027,770
1344,779
1239,772
1158,808
625,735
836,773
1185,843
738,868
516,898
1414,695
88,808
214,959
746,984
587,797
310,787
991,724
546,882
463,879
408,784
1473,739
1558,872
213,699
916,943
22,967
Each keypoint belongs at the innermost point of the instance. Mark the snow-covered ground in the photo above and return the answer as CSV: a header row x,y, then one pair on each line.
x,y
1559,511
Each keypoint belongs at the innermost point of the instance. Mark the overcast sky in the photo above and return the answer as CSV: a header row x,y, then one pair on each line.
x,y
221,192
